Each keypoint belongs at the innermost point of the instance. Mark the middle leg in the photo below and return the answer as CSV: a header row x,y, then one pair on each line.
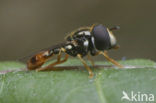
x,y
90,59
86,66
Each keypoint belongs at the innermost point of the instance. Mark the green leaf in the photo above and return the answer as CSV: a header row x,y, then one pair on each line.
x,y
74,86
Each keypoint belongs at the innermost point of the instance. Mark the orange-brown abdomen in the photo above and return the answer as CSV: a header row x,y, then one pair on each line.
x,y
38,60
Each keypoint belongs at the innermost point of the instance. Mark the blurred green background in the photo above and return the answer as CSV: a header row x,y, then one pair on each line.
x,y
27,26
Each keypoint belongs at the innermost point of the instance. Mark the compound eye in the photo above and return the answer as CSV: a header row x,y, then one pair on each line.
x,y
101,37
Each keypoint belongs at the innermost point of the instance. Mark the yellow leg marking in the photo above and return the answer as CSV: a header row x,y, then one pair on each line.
x,y
90,59
59,61
86,66
110,59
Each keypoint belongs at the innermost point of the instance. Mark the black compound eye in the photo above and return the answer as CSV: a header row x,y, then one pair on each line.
x,y
101,37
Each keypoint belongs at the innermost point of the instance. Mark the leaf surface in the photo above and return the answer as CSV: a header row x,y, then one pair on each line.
x,y
74,86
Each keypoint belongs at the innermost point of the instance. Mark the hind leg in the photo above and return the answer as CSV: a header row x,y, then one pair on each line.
x,y
59,61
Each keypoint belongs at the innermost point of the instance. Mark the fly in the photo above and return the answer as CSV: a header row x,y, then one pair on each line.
x,y
85,41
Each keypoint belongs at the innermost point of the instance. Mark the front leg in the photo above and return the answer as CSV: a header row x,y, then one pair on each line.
x,y
110,59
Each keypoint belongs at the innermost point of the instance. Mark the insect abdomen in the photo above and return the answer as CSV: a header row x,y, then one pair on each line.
x,y
38,60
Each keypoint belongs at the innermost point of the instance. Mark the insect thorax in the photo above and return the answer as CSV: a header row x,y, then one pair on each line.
x,y
79,43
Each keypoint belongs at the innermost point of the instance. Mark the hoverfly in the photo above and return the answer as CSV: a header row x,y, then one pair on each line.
x,y
93,40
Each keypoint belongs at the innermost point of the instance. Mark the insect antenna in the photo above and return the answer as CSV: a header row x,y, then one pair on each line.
x,y
115,28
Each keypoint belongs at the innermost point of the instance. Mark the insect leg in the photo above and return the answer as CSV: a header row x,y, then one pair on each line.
x,y
59,56
110,59
86,66
65,59
90,59
59,61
